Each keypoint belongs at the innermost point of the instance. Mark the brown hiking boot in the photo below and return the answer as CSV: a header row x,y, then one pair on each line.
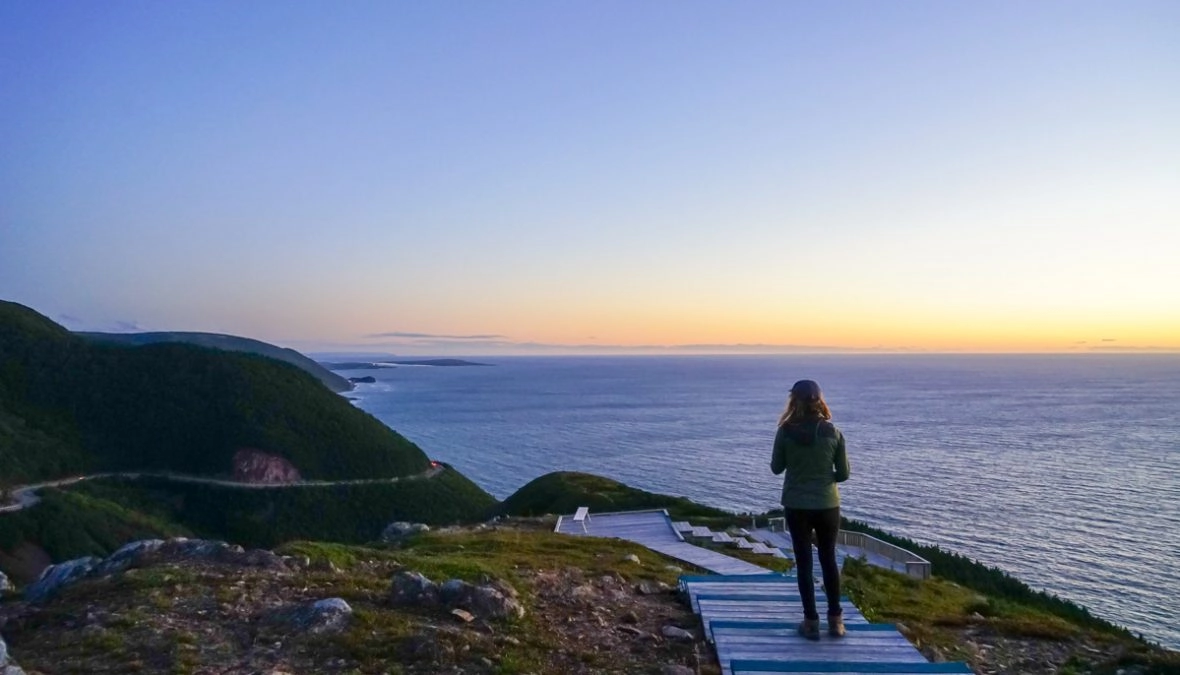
x,y
836,625
809,629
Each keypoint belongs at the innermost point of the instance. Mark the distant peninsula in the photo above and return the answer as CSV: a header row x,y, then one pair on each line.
x,y
376,365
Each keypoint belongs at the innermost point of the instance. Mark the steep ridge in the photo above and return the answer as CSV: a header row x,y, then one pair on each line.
x,y
232,343
68,405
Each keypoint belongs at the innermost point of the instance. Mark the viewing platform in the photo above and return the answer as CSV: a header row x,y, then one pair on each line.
x,y
750,614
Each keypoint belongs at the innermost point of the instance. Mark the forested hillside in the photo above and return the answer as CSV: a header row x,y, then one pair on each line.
x,y
68,405
230,343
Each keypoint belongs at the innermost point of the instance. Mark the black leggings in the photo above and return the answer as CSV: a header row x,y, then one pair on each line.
x,y
826,524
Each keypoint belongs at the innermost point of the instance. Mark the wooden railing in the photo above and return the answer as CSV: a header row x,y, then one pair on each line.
x,y
915,565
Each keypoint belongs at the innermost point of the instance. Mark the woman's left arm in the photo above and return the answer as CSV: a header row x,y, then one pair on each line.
x,y
778,459
842,469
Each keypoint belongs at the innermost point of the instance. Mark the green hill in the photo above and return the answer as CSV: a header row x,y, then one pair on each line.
x,y
565,491
70,405
229,343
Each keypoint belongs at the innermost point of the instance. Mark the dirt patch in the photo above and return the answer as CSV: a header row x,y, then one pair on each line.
x,y
25,562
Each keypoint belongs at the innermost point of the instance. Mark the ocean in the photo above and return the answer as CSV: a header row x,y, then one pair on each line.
x,y
1062,470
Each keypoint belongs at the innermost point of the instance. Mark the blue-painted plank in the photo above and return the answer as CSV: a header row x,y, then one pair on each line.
x,y
772,625
735,578
759,597
740,666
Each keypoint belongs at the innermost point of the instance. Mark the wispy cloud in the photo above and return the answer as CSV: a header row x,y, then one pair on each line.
x,y
432,336
1134,348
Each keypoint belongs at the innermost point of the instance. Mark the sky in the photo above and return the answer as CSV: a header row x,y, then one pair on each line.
x,y
475,177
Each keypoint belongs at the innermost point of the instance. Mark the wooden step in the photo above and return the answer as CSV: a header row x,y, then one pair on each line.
x,y
756,667
780,641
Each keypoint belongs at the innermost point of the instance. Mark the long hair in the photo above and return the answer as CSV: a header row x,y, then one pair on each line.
x,y
801,409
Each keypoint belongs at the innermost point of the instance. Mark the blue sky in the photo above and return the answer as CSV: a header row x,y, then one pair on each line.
x,y
528,176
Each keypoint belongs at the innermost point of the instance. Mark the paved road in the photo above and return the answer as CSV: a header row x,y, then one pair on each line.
x,y
24,496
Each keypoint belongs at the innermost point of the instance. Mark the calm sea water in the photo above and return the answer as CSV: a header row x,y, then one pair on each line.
x,y
1062,470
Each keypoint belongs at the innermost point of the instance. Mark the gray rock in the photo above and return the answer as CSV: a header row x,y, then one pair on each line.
x,y
676,669
632,558
652,588
128,555
412,588
330,615
7,667
5,584
485,601
400,530
56,576
495,600
676,633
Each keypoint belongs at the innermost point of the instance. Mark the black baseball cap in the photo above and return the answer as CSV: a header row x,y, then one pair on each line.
x,y
806,389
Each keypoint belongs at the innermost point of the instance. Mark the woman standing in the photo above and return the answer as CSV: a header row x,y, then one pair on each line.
x,y
811,451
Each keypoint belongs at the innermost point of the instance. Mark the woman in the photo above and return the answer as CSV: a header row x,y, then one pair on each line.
x,y
811,450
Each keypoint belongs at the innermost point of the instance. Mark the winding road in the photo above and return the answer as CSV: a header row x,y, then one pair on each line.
x,y
24,496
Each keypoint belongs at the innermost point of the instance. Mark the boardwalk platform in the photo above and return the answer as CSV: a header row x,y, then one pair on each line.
x,y
654,530
750,614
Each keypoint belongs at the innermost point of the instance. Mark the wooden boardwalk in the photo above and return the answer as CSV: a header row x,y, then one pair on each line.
x,y
654,530
750,614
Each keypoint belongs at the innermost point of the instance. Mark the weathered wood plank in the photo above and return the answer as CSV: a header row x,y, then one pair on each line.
x,y
822,668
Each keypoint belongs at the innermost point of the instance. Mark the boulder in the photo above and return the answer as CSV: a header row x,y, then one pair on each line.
x,y
400,530
128,555
330,615
484,601
677,633
412,588
56,576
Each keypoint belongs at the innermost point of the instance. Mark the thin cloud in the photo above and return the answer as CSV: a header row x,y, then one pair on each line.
x,y
432,336
1134,348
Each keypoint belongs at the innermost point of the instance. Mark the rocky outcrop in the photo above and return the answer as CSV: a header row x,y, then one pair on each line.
x,y
398,531
331,615
256,466
141,553
494,600
56,576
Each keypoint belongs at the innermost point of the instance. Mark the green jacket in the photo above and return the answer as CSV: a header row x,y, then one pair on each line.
x,y
813,455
